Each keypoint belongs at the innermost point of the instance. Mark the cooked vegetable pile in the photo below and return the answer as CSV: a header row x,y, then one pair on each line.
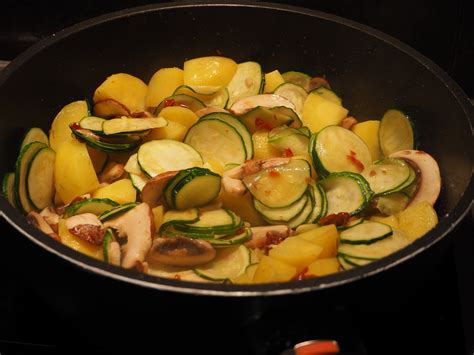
x,y
220,172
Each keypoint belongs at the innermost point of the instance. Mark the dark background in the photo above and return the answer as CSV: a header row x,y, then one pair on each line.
x,y
440,318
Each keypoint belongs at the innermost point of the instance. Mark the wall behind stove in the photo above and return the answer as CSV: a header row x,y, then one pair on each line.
x,y
441,30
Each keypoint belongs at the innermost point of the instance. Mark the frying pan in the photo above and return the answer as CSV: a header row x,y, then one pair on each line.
x,y
371,71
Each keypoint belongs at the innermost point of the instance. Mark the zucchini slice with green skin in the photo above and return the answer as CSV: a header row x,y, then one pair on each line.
x,y
335,149
159,156
263,118
247,81
34,134
377,250
344,264
8,188
229,263
217,140
297,78
192,103
346,192
305,214
348,263
328,95
173,217
40,179
94,142
365,233
93,124
217,98
219,221
351,224
280,186
225,242
387,175
93,205
21,170
168,190
289,138
138,181
282,214
132,166
117,211
132,125
239,127
393,203
108,239
294,93
395,132
319,205
196,189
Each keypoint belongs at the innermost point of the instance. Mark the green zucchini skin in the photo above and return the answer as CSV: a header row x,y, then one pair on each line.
x,y
117,211
194,104
8,188
103,146
34,134
365,233
40,178
93,205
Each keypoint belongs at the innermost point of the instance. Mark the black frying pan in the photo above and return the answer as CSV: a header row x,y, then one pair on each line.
x,y
370,70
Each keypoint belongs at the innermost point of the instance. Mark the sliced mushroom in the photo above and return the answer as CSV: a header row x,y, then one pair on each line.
x,y
112,172
114,253
86,226
153,189
429,177
318,82
348,122
138,226
264,100
38,221
260,235
51,217
181,251
110,108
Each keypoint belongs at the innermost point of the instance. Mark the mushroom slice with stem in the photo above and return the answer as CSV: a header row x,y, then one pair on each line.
x,y
181,251
261,236
86,226
112,172
38,221
153,189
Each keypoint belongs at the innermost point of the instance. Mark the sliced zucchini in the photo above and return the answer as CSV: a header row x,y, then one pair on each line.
x,y
395,132
294,93
158,156
40,179
93,205
335,149
289,138
351,224
377,250
387,175
34,134
132,125
94,141
219,221
117,211
298,78
305,214
218,97
173,217
247,81
217,140
238,126
108,239
93,124
132,166
197,188
348,263
192,103
393,203
319,203
280,186
8,188
282,214
138,181
365,233
328,95
263,118
346,192
229,263
240,238
344,263
21,168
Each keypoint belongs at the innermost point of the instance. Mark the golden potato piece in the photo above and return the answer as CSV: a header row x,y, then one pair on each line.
x,y
71,113
78,244
323,267
417,220
319,112
272,81
273,270
262,149
368,131
121,191
209,71
326,237
162,84
296,251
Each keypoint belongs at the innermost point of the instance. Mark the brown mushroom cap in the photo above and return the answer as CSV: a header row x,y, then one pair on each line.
x,y
153,189
181,251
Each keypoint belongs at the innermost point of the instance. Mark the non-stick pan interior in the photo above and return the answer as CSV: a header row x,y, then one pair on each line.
x,y
364,67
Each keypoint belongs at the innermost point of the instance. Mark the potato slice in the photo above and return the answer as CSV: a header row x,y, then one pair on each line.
x,y
296,251
262,149
319,112
272,81
323,267
126,89
273,270
76,243
121,191
417,220
162,84
60,131
368,131
209,71
326,237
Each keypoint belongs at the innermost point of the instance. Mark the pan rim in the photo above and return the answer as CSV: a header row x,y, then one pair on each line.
x,y
446,225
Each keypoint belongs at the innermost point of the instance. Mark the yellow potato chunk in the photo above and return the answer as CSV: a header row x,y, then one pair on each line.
x,y
261,147
273,270
392,221
243,205
74,172
209,71
158,213
174,130
60,131
126,89
368,131
162,84
214,166
319,112
417,220
272,81
323,267
326,237
247,277
296,251
76,243
120,191
181,115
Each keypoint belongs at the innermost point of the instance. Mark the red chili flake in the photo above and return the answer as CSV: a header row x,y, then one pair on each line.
x,y
170,102
372,173
177,277
287,153
339,219
75,125
353,153
260,123
358,164
302,275
273,173
272,238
